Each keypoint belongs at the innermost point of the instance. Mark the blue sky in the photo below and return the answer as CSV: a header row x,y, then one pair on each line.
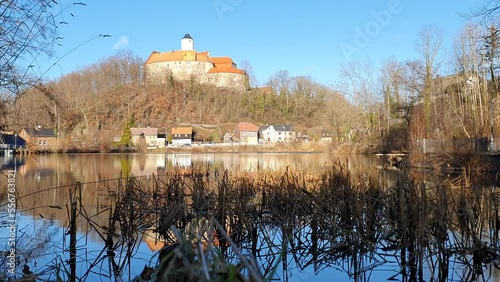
x,y
304,37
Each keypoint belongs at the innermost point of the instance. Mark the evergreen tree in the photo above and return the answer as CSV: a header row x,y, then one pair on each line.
x,y
127,133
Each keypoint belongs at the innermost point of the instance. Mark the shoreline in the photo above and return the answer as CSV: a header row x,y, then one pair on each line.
x,y
202,148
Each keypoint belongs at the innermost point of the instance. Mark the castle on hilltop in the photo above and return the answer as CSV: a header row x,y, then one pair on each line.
x,y
187,64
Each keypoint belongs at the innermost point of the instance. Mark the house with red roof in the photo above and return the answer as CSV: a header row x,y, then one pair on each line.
x,y
247,133
187,64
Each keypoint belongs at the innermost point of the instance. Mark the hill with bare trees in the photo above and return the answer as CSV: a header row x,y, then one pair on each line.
x,y
96,102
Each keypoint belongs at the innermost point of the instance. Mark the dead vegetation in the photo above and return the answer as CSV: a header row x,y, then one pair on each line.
x,y
227,226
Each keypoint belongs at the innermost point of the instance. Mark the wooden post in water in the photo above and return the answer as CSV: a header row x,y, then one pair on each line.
x,y
72,230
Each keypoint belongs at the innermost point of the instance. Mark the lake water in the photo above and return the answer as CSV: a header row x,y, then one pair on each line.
x,y
42,190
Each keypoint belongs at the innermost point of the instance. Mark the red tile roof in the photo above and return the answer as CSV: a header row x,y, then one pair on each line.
x,y
247,126
182,130
222,60
179,55
225,70
203,57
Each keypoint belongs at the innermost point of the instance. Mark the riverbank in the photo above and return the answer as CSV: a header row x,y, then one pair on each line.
x,y
309,147
453,163
240,148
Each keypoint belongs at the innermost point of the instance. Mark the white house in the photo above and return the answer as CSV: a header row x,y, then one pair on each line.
x,y
277,133
182,135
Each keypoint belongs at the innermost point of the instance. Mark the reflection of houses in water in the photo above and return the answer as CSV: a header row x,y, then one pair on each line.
x,y
161,161
243,162
203,159
144,164
276,162
250,162
140,164
186,160
254,162
180,160
35,168
10,161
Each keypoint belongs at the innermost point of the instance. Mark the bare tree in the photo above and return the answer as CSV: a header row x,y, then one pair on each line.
x,y
247,67
467,50
361,87
83,91
392,75
428,44
27,33
492,46
121,69
281,83
341,116
487,12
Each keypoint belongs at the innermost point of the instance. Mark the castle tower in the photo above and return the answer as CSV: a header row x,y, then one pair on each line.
x,y
187,42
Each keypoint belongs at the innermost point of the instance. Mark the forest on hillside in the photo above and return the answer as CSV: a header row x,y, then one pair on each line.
x,y
387,105
98,101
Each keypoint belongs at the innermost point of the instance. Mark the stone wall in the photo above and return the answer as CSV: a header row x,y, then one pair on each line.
x,y
227,80
185,70
181,70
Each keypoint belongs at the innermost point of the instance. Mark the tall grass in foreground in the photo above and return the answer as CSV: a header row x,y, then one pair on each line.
x,y
228,226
